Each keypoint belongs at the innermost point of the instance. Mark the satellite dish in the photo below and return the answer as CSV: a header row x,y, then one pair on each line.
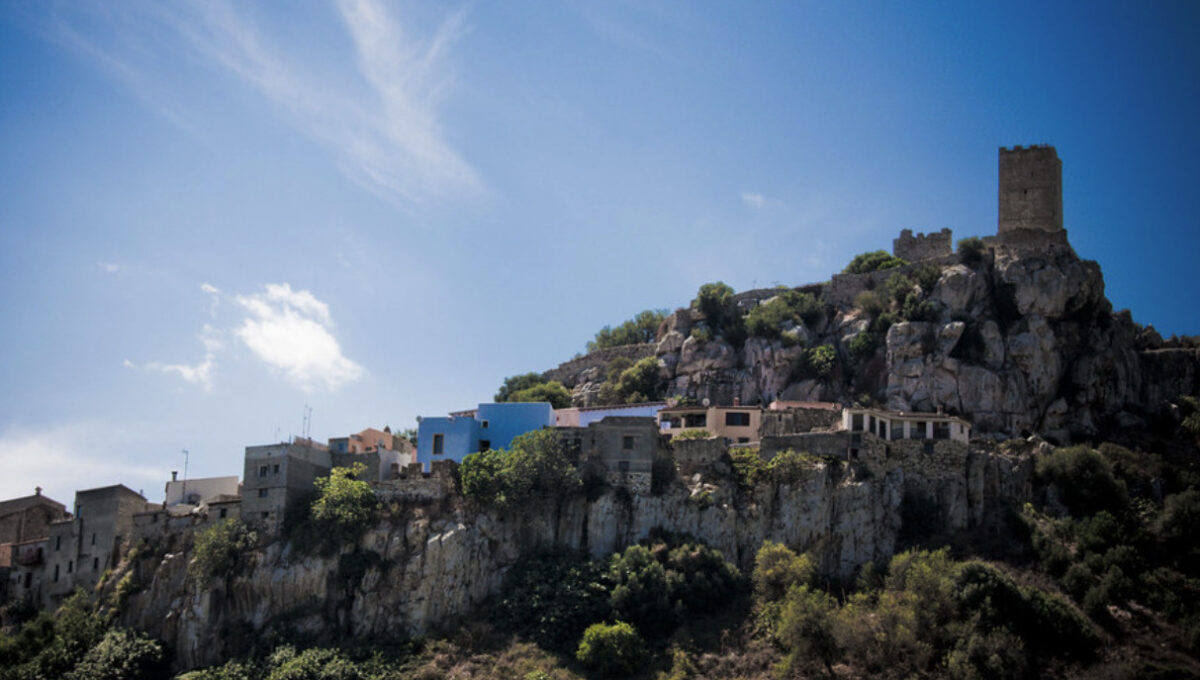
x,y
705,402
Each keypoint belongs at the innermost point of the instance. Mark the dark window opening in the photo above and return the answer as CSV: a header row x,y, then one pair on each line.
x,y
56,573
265,514
737,419
70,565
95,564
262,470
743,440
275,469
93,538
627,443
484,424
262,493
29,579
484,445
856,422
439,444
918,430
57,543
695,420
224,512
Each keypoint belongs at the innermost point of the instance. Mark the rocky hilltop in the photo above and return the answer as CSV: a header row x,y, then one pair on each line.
x,y
1016,335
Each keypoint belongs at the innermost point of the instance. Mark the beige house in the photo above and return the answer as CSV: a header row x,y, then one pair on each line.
x,y
896,425
736,424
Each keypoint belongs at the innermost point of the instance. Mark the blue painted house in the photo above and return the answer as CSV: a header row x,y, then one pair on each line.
x,y
491,426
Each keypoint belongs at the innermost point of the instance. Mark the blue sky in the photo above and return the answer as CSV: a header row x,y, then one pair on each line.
x,y
213,214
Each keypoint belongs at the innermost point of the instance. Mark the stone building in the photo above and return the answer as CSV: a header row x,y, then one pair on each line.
x,y
1030,189
276,475
736,424
623,448
28,517
197,491
80,549
923,246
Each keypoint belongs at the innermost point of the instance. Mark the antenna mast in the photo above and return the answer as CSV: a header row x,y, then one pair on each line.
x,y
183,496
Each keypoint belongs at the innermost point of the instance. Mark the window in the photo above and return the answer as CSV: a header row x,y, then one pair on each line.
x,y
56,573
262,493
743,440
265,514
871,424
275,468
224,512
484,424
262,470
95,564
856,422
484,445
627,443
439,444
57,543
93,538
695,420
918,430
737,419
70,565
29,579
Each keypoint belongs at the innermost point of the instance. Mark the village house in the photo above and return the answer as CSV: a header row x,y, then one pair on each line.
x,y
582,416
81,548
735,424
621,448
896,425
490,426
195,492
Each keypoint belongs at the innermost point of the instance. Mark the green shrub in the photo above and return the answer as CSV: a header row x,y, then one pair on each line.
x,y
970,251
767,319
821,360
748,467
1084,480
694,434
553,392
917,309
805,628
870,302
863,345
616,367
517,383
897,287
641,328
535,469
927,276
788,466
715,301
777,569
612,650
221,550
345,505
313,664
551,596
640,382
120,655
655,586
872,261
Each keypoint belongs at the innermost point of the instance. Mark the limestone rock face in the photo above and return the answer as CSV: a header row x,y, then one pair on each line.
x,y
424,567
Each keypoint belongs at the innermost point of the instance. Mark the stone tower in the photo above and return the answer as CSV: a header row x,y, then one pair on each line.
x,y
1030,189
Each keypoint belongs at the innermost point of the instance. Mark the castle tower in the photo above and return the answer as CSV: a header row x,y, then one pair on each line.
x,y
1030,189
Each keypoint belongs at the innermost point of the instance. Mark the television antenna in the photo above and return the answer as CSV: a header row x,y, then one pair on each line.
x,y
186,455
306,422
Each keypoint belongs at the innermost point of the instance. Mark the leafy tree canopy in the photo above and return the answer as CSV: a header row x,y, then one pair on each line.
x,y
639,329
875,260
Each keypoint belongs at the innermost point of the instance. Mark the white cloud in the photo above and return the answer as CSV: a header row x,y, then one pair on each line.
x,y
199,373
379,120
215,293
65,458
754,200
292,332
109,267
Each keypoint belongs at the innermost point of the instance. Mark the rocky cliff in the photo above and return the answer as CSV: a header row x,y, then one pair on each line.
x,y
426,565
1019,339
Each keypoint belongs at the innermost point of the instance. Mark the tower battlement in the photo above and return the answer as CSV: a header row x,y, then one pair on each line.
x,y
1030,189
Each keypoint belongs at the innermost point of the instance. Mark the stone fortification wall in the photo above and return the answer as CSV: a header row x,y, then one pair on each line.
x,y
568,372
843,288
699,455
923,246
835,444
798,420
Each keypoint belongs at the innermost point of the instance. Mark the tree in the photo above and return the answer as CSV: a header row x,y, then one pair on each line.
x,y
640,382
611,650
553,392
715,301
642,328
767,319
517,383
120,655
220,550
344,504
777,569
552,595
534,469
872,261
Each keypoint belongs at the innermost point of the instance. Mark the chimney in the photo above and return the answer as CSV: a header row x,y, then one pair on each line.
x,y
37,491
737,401
174,475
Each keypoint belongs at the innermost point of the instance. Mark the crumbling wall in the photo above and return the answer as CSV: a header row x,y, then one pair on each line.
x,y
922,246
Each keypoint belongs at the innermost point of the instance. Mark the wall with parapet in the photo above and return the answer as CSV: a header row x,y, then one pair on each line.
x,y
923,246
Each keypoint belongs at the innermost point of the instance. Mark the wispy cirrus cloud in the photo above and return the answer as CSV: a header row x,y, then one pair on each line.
x,y
379,120
200,373
292,331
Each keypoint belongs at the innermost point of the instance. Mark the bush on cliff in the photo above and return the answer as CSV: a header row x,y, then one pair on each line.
x,y
715,301
516,383
612,650
767,319
534,469
220,550
639,329
875,260
1083,479
551,596
553,392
